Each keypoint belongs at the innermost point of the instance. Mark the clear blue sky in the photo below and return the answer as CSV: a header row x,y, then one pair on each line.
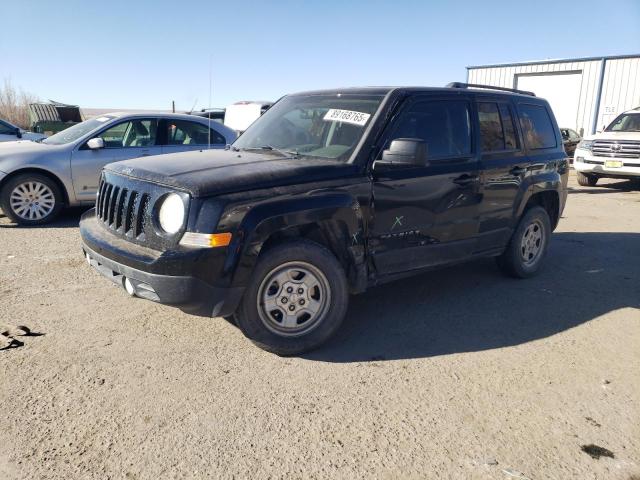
x,y
143,54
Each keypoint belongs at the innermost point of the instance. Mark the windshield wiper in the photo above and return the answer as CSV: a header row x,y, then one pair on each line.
x,y
284,153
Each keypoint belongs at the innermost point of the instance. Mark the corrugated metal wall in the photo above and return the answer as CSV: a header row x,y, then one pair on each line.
x,y
620,84
620,88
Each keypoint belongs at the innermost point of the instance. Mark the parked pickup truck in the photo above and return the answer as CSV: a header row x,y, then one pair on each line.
x,y
326,194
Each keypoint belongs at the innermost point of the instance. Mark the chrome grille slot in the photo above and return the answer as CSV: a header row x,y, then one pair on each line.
x,y
120,207
616,148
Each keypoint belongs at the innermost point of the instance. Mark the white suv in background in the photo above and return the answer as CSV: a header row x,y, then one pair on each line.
x,y
613,153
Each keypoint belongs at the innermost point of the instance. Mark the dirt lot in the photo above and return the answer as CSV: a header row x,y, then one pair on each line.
x,y
461,373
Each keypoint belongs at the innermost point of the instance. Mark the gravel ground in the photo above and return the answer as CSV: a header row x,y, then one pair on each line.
x,y
460,373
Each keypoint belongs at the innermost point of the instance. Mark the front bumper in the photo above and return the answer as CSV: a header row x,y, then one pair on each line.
x,y
162,279
585,162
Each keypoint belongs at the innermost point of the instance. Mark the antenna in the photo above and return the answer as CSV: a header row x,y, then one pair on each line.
x,y
193,106
209,115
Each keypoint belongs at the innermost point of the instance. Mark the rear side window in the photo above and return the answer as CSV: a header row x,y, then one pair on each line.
x,y
183,132
443,125
537,128
497,131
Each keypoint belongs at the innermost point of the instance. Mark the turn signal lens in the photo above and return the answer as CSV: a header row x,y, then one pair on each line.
x,y
206,240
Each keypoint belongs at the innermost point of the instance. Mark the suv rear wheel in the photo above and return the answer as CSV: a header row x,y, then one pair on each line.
x,y
31,199
296,299
587,180
527,248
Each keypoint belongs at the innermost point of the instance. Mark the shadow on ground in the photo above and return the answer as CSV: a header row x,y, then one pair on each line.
x,y
473,307
608,186
68,218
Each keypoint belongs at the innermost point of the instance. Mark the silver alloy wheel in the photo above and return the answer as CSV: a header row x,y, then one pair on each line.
x,y
532,243
293,299
32,200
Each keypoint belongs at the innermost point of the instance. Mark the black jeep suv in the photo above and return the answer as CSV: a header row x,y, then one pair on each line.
x,y
326,194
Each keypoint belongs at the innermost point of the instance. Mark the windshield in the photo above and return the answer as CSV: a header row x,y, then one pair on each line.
x,y
320,126
72,134
627,122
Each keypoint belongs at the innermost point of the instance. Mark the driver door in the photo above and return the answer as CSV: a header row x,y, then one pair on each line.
x,y
126,139
426,215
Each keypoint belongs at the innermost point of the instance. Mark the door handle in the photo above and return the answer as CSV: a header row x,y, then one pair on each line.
x,y
465,179
517,171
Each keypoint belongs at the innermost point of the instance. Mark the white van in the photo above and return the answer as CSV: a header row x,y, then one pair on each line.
x,y
240,115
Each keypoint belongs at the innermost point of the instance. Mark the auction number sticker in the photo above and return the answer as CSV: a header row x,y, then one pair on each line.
x,y
346,116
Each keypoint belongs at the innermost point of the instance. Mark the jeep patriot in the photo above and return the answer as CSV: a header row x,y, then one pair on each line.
x,y
326,194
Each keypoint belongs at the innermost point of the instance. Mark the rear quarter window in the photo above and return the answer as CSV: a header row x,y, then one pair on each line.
x,y
537,128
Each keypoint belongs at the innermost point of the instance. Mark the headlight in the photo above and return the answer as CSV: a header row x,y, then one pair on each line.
x,y
585,144
171,213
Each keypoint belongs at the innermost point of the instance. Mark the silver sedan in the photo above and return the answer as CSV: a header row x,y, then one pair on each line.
x,y
38,179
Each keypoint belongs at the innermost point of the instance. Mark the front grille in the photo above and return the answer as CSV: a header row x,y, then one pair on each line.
x,y
123,210
125,207
616,148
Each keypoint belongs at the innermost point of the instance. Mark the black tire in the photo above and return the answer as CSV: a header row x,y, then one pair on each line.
x,y
262,327
21,217
587,180
512,261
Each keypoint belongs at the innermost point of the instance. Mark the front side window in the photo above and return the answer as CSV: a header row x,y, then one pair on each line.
x,y
537,128
134,133
627,122
183,132
497,131
317,126
443,125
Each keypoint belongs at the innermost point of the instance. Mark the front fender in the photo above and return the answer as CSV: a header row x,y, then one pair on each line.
x,y
337,213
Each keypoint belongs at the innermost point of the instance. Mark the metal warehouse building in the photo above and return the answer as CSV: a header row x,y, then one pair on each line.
x,y
585,93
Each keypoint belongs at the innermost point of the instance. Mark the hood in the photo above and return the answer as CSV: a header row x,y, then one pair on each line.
x,y
24,151
32,136
614,136
209,172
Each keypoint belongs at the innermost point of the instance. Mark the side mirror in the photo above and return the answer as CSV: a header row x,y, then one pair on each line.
x,y
406,151
18,132
95,143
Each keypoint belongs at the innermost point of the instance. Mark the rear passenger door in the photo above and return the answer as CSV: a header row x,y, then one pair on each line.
x,y
184,135
427,215
503,165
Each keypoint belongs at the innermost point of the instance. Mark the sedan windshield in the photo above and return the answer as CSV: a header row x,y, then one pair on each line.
x,y
627,122
320,126
72,134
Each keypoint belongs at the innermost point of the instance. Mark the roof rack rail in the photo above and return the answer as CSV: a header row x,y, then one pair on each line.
x,y
489,87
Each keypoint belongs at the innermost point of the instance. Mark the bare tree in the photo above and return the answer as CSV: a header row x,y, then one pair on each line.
x,y
14,104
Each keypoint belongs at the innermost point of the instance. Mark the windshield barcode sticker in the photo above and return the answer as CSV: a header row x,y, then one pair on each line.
x,y
346,116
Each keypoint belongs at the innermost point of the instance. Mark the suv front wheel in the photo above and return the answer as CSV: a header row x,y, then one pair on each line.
x,y
527,248
296,299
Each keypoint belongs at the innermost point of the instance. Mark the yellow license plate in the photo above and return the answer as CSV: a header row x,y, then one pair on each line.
x,y
613,164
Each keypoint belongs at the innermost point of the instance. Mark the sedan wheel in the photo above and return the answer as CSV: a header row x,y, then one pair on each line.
x,y
32,201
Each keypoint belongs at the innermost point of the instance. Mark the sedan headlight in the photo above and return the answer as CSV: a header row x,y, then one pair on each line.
x,y
585,144
171,213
